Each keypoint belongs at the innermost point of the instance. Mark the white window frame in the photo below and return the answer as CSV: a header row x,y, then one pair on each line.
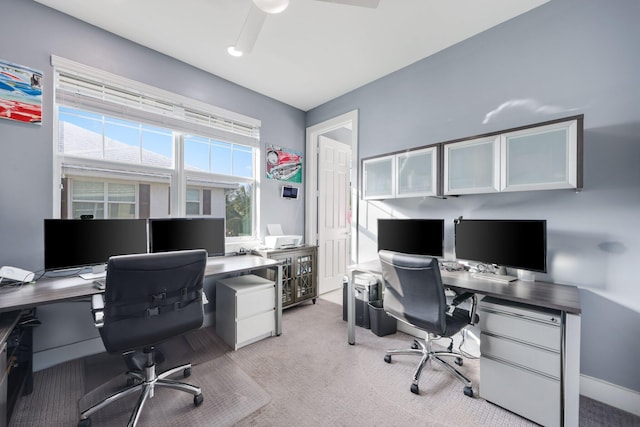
x,y
158,107
105,193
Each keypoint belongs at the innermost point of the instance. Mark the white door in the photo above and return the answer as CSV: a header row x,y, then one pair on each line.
x,y
334,160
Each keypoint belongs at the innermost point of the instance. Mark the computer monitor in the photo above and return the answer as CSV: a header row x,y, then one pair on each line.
x,y
520,244
411,236
75,243
174,234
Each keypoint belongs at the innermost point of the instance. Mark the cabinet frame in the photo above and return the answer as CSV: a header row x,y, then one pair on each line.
x,y
394,170
366,177
500,140
433,191
299,273
570,150
494,187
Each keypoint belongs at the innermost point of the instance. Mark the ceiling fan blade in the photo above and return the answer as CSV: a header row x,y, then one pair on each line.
x,y
362,3
251,29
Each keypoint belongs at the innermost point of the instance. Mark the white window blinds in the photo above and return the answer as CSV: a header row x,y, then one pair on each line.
x,y
80,86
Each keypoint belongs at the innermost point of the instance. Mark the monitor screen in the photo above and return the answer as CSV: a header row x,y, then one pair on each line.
x,y
518,244
412,236
71,243
175,234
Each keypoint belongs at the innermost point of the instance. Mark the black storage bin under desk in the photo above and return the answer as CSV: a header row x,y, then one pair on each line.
x,y
381,323
366,288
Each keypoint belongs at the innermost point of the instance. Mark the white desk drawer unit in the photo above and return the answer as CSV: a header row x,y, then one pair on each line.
x,y
521,363
245,309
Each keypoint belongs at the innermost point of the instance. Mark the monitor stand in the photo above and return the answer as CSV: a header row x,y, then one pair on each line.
x,y
97,272
499,274
501,278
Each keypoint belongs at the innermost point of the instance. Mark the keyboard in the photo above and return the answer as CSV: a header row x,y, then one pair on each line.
x,y
502,278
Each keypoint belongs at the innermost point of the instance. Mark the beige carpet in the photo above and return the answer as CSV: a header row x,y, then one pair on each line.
x,y
229,393
316,378
308,376
229,396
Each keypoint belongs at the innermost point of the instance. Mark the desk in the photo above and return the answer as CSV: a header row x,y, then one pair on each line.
x,y
15,361
563,298
58,289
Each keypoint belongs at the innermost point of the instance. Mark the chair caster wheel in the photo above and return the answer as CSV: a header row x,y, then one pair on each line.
x,y
415,389
458,361
198,399
415,345
387,358
468,391
186,373
85,422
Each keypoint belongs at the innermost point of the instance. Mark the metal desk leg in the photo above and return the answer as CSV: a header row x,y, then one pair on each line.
x,y
351,311
279,300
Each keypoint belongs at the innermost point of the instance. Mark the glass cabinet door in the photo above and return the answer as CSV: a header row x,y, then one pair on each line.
x,y
416,173
540,158
472,166
378,178
305,271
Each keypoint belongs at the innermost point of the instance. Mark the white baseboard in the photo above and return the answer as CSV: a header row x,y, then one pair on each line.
x,y
613,395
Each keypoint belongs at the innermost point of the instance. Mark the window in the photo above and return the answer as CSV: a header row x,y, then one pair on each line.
x,y
95,198
128,150
206,154
193,201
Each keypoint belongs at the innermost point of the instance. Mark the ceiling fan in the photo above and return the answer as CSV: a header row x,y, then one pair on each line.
x,y
258,14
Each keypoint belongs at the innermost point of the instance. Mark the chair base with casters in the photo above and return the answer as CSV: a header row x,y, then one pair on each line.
x,y
415,295
145,383
426,352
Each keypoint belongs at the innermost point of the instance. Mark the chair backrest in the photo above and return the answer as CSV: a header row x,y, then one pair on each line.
x,y
414,292
152,297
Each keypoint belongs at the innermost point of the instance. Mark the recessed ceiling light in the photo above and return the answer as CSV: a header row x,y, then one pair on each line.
x,y
234,52
271,6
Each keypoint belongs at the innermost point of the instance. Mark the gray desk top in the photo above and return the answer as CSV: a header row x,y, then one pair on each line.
x,y
542,294
238,264
58,289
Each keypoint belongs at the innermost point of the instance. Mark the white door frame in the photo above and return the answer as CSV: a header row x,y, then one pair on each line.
x,y
311,198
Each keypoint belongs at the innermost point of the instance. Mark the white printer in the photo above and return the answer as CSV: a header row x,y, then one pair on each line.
x,y
277,239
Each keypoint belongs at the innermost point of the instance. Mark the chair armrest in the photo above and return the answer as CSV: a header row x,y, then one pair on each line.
x,y
97,309
473,318
461,298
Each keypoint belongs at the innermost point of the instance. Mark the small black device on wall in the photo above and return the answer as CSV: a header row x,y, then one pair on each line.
x,y
289,192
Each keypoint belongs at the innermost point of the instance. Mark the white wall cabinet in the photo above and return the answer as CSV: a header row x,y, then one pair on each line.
x,y
472,166
412,173
378,178
417,173
543,156
540,158
245,310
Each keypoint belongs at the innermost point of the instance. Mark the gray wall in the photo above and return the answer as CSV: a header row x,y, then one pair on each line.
x,y
32,33
564,58
26,151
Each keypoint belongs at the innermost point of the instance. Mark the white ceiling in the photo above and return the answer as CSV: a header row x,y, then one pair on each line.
x,y
309,54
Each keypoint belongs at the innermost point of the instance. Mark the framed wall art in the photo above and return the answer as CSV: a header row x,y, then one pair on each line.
x,y
283,164
20,93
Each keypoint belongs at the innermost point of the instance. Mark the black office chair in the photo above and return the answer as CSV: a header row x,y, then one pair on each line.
x,y
414,294
148,299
